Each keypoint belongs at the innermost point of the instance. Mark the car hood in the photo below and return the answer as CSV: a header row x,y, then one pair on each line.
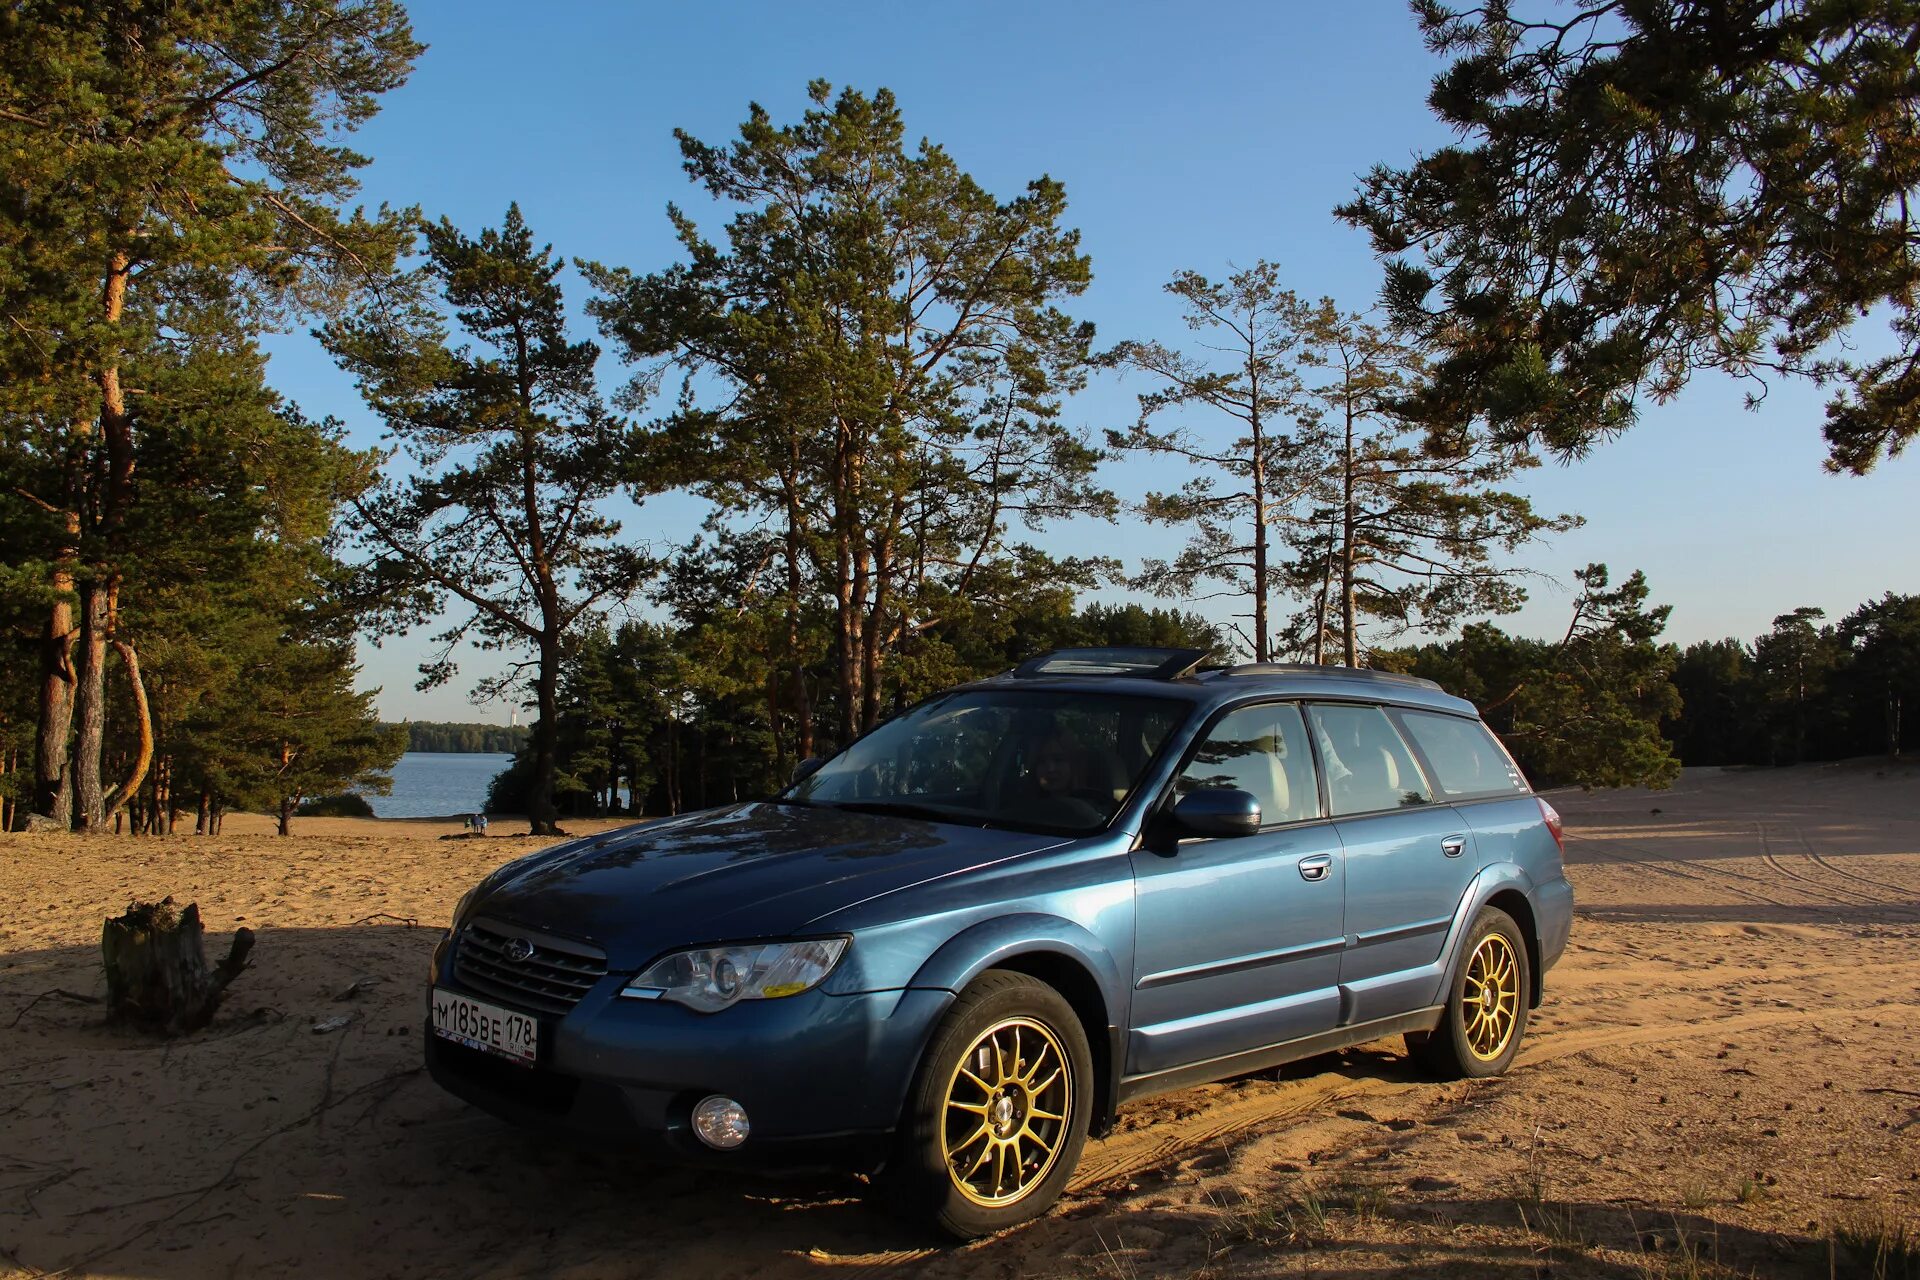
x,y
750,871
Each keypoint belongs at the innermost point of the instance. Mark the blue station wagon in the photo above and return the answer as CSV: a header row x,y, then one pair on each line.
x,y
949,953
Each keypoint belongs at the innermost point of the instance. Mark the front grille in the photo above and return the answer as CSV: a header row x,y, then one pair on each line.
x,y
550,980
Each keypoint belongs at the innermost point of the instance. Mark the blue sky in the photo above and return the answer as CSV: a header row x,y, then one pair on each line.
x,y
1187,136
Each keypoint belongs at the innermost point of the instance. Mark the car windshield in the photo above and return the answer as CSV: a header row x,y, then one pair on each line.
x,y
1027,759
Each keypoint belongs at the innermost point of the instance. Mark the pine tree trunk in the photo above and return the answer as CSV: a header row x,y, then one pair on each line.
x,y
286,815
699,767
1348,523
801,704
852,559
99,599
774,728
143,725
673,766
542,821
52,769
156,966
90,709
1261,651
1321,606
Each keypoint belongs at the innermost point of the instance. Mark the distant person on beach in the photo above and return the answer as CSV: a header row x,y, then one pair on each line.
x,y
480,823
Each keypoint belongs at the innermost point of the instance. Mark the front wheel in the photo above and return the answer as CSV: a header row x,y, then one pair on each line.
x,y
998,1112
1487,1009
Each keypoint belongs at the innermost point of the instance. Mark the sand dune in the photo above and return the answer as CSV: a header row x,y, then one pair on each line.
x,y
1729,1055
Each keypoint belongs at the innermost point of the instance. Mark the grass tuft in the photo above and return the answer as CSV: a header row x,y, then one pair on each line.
x,y
1876,1246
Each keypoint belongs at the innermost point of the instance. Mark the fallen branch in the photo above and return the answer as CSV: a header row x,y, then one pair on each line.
x,y
409,921
49,995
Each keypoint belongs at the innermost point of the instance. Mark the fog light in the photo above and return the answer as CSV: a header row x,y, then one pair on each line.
x,y
721,1122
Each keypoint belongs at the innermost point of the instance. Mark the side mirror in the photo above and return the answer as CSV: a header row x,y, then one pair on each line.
x,y
1217,811
806,769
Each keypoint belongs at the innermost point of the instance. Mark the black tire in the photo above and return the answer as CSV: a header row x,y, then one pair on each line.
x,y
918,1181
1474,1039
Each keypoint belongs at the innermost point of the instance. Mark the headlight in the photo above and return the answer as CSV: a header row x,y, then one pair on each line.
x,y
708,979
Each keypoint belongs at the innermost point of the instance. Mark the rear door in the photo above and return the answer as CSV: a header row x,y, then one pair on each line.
x,y
1237,940
1410,859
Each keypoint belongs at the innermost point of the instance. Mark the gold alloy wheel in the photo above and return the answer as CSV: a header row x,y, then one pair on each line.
x,y
1491,999
1005,1117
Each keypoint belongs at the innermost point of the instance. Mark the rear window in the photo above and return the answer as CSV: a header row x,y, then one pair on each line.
x,y
1466,759
1368,767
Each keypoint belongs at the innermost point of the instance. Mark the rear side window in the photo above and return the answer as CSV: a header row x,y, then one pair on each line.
x,y
1261,750
1368,765
1466,759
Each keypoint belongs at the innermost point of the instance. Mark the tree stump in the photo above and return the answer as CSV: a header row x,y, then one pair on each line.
x,y
157,974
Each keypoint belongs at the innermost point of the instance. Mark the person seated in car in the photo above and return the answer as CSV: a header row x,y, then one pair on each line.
x,y
1053,771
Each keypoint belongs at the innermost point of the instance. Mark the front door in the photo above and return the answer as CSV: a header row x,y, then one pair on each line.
x,y
1409,861
1237,940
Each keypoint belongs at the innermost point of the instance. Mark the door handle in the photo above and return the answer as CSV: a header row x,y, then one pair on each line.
x,y
1453,846
1316,868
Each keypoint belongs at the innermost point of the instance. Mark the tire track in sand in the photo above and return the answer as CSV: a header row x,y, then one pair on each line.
x,y
1801,835
1160,1143
1600,846
1813,887
1554,1046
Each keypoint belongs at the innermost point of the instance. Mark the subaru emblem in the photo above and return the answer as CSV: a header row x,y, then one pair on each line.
x,y
518,950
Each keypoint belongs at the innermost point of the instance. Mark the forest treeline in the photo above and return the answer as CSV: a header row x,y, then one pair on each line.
x,y
863,366
458,736
1606,703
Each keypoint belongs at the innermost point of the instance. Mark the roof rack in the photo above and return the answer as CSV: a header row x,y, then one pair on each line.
x,y
1311,669
1115,660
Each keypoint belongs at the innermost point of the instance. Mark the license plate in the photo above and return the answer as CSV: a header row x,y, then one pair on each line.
x,y
487,1027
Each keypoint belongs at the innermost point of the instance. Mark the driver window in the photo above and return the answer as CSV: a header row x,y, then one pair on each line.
x,y
1261,750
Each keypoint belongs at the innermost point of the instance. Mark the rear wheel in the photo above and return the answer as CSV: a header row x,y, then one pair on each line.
x,y
998,1112
1479,1034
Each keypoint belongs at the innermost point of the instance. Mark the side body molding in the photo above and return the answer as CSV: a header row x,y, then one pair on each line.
x,y
1392,994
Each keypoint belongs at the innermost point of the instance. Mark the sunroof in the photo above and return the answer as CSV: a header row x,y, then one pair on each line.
x,y
1116,660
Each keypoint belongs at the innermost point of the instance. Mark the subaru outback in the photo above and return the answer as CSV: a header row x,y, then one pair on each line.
x,y
947,955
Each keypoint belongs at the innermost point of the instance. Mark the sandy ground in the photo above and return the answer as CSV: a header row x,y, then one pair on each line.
x,y
1725,1073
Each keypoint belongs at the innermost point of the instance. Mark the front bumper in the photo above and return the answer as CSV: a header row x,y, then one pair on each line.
x,y
823,1077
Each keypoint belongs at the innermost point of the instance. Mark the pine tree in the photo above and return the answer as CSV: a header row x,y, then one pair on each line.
x,y
1272,458
292,727
887,350
175,176
1398,535
512,456
1647,190
1795,663
1720,717
1882,674
1586,709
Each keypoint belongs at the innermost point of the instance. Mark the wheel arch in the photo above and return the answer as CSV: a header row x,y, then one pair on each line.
x,y
1066,957
1511,900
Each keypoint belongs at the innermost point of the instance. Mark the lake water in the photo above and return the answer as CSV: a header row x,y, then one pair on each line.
x,y
436,784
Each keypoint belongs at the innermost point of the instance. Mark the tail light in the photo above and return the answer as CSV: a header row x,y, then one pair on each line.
x,y
1552,816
